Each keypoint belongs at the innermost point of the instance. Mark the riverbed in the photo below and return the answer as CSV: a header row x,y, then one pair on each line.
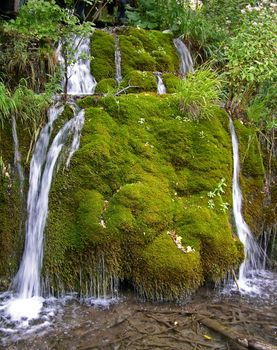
x,y
128,322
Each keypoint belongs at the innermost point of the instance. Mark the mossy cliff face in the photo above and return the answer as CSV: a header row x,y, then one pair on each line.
x,y
138,185
12,205
142,53
141,177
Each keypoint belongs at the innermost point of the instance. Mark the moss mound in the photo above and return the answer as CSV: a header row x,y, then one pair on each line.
x,y
102,51
106,86
142,53
140,173
139,81
170,81
147,51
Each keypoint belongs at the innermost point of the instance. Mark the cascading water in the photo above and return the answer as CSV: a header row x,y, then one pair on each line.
x,y
186,63
79,79
253,254
161,89
80,119
117,59
28,302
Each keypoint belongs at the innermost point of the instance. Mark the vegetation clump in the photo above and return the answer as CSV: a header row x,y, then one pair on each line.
x,y
148,166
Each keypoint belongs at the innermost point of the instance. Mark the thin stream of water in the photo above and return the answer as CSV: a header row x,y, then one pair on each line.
x,y
27,303
251,270
161,89
186,63
117,59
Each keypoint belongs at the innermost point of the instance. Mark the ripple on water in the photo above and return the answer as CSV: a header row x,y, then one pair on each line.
x,y
261,285
20,318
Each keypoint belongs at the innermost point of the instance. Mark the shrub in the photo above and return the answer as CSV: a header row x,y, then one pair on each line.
x,y
199,94
251,53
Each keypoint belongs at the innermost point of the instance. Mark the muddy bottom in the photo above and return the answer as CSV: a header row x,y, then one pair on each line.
x,y
132,324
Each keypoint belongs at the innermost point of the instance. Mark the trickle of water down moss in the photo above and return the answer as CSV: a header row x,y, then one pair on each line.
x,y
142,173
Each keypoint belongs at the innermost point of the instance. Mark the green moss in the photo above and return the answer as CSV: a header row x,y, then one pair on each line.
x,y
142,171
209,231
145,210
164,272
88,101
170,81
106,86
12,213
147,51
134,56
102,51
141,81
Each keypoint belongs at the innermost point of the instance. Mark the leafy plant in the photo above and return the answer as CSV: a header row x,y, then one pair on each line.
x,y
7,105
218,192
39,26
40,19
181,18
158,14
199,94
22,103
251,53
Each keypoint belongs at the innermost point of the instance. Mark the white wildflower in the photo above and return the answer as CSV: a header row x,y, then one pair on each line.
x,y
141,121
189,249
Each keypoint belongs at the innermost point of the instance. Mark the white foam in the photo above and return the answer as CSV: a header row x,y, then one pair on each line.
x,y
24,309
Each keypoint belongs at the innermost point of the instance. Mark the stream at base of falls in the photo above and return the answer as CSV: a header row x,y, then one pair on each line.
x,y
129,323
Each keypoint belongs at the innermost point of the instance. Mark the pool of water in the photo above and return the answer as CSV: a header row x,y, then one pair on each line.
x,y
129,323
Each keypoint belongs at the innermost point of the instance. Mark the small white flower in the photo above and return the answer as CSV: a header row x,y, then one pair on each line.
x,y
255,23
141,121
190,249
102,223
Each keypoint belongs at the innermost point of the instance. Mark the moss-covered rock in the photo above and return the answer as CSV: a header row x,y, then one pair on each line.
x,y
140,178
147,51
140,173
141,51
139,81
102,51
164,272
170,81
106,86
12,210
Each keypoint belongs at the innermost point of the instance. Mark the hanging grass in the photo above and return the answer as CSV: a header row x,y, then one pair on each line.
x,y
23,103
199,94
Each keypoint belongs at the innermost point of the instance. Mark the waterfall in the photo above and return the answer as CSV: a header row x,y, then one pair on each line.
x,y
252,251
28,302
117,60
186,63
17,158
80,119
79,79
160,84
